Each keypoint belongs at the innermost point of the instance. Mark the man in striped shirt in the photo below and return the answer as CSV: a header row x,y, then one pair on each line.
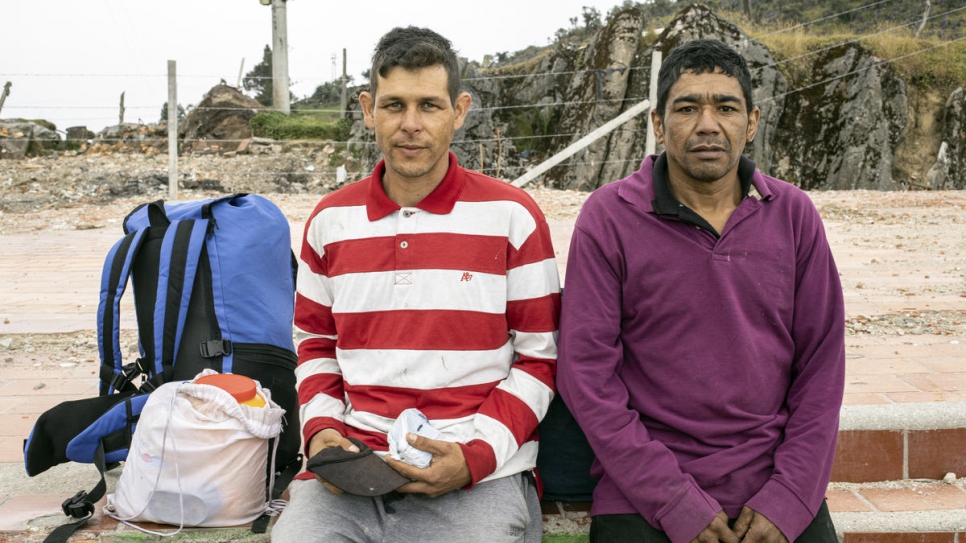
x,y
424,286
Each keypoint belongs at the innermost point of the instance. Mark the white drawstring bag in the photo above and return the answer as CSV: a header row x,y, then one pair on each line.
x,y
198,458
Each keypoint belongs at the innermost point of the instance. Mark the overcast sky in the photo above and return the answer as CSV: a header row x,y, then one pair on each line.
x,y
70,60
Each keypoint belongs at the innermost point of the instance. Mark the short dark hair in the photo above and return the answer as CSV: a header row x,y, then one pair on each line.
x,y
413,48
702,56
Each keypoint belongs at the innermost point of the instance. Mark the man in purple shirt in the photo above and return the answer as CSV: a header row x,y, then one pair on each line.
x,y
702,333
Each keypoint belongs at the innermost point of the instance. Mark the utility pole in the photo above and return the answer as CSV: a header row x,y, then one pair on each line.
x,y
344,103
280,91
120,115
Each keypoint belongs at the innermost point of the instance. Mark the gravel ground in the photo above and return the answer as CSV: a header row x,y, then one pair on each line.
x,y
897,229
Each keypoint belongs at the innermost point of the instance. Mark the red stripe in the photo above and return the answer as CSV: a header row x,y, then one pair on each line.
x,y
422,330
376,441
540,369
315,262
311,349
513,412
536,248
316,425
330,384
435,251
313,317
446,403
534,315
360,255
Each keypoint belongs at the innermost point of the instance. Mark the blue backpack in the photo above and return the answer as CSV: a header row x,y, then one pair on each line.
x,y
214,287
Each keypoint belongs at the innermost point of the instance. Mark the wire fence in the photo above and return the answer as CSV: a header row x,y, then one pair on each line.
x,y
160,140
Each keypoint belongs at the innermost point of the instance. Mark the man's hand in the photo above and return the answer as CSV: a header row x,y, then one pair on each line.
x,y
753,527
717,531
446,472
330,437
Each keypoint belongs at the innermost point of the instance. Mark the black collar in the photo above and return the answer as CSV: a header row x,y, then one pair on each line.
x,y
665,204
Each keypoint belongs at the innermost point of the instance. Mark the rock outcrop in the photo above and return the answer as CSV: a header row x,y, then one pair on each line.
x,y
837,126
949,171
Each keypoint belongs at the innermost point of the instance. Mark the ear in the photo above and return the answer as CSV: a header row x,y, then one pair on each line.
x,y
658,127
462,106
753,119
367,101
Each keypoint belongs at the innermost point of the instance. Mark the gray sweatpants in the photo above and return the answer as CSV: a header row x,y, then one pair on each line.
x,y
504,510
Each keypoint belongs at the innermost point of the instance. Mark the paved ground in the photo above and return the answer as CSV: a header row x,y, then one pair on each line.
x,y
902,261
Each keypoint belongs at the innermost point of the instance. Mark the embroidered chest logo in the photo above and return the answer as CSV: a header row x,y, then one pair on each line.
x,y
467,276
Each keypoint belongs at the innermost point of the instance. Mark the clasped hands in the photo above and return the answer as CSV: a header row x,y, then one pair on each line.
x,y
446,472
751,527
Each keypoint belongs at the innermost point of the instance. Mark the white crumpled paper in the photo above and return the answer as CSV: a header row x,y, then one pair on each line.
x,y
413,421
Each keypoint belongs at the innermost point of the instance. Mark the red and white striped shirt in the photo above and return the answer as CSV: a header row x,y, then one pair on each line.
x,y
450,307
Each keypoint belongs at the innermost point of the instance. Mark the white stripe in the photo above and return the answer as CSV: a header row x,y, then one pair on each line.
x,y
533,280
424,370
429,289
522,227
322,405
525,459
529,390
309,368
301,335
495,434
313,286
335,224
500,218
535,345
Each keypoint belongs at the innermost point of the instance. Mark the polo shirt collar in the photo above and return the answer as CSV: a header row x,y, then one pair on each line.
x,y
665,204
440,202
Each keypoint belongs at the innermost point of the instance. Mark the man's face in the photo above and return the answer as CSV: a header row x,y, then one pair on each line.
x,y
705,127
414,122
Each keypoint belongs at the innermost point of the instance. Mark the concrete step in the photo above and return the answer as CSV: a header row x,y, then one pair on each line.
x,y
907,511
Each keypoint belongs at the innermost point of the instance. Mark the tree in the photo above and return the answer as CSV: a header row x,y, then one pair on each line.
x,y
591,18
330,92
182,113
259,80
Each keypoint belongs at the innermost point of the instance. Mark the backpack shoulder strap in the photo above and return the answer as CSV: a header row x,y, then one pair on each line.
x,y
181,252
117,268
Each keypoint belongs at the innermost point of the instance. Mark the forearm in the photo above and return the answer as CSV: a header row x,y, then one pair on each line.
x,y
803,461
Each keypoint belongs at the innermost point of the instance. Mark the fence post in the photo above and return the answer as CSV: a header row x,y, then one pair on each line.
x,y
572,149
172,131
3,95
650,143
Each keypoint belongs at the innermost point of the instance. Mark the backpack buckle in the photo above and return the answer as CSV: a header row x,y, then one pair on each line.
x,y
215,347
78,506
127,375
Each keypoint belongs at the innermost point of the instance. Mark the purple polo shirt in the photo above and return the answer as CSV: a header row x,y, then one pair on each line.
x,y
707,371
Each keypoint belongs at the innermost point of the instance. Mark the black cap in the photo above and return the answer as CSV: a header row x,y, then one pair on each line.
x,y
361,473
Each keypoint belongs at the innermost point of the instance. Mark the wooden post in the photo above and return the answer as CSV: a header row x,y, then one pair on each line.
x,y
172,131
925,17
241,70
3,96
344,103
572,149
499,153
120,115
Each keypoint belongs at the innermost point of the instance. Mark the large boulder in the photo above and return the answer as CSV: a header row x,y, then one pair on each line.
x,y
596,95
223,115
19,138
841,132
